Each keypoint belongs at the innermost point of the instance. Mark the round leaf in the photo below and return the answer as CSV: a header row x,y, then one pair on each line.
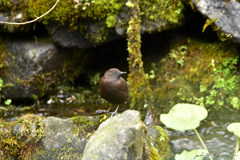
x,y
8,101
197,154
235,128
184,116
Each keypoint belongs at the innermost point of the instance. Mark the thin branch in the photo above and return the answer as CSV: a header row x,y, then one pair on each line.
x,y
27,22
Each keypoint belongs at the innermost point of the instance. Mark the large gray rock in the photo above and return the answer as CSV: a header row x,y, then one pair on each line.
x,y
227,14
58,132
64,37
26,62
123,137
34,68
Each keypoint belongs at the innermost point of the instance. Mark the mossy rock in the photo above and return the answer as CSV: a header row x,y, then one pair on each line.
x,y
198,72
50,137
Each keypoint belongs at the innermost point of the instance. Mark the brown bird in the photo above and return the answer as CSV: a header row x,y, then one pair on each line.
x,y
113,87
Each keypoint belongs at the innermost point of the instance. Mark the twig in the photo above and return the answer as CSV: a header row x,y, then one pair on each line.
x,y
27,22
35,39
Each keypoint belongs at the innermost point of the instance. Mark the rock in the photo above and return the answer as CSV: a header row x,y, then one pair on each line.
x,y
227,14
160,147
64,37
123,136
35,68
98,33
27,61
56,135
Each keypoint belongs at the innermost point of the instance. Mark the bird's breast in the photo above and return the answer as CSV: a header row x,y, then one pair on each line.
x,y
115,92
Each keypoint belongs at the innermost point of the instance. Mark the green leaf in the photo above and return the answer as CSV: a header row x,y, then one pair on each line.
x,y
197,154
235,128
7,102
203,88
184,116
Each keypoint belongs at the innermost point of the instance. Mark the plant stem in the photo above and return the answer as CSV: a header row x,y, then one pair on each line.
x,y
236,148
199,137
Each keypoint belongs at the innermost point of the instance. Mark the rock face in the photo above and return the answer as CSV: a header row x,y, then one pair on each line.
x,y
64,37
122,137
227,14
32,69
26,61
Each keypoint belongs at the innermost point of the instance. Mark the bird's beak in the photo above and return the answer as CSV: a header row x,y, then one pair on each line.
x,y
123,72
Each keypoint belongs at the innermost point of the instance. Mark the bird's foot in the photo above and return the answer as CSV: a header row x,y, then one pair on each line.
x,y
115,112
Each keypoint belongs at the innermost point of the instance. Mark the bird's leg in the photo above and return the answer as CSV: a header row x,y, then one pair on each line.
x,y
115,112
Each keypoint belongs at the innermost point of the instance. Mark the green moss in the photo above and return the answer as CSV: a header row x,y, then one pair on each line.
x,y
67,152
141,95
5,4
224,36
82,125
67,12
169,10
202,73
15,145
161,148
139,90
75,15
111,20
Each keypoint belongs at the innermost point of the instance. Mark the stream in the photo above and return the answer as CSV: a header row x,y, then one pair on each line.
x,y
214,133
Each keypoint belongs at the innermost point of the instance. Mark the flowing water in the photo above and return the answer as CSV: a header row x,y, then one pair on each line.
x,y
215,135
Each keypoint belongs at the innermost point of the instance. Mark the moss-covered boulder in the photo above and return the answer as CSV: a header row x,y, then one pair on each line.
x,y
123,136
47,138
31,69
198,72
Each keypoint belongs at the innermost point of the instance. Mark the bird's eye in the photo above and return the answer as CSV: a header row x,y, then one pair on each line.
x,y
113,72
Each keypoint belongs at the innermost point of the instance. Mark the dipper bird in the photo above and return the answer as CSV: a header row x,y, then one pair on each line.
x,y
113,87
